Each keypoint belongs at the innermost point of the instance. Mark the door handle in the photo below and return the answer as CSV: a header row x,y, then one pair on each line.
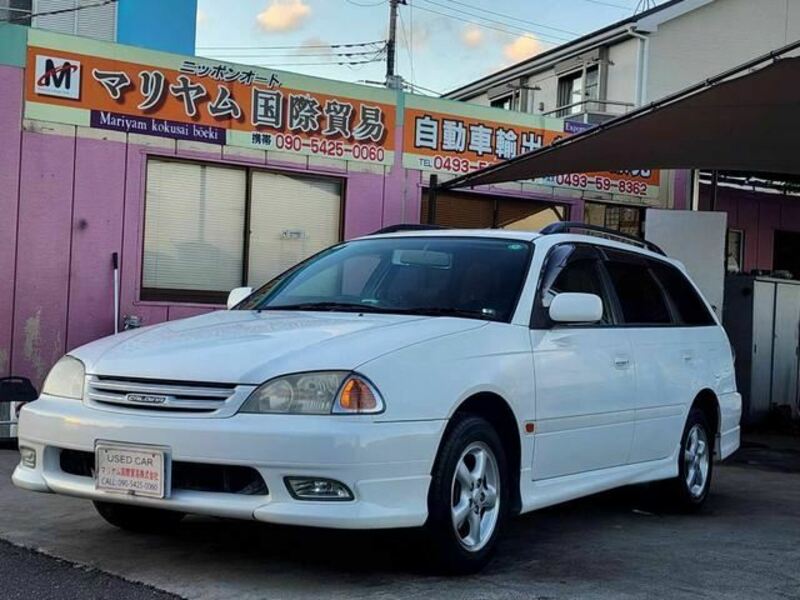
x,y
687,357
621,362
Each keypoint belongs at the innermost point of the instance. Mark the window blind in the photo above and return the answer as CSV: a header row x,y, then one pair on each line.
x,y
194,226
291,218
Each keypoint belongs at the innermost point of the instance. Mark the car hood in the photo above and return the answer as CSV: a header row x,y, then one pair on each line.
x,y
241,346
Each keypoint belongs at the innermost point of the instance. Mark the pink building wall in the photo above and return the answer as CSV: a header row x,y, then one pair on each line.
x,y
758,215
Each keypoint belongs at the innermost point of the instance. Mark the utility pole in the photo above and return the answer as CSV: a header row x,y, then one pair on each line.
x,y
393,81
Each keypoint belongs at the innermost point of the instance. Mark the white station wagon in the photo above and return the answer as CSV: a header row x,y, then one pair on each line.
x,y
440,379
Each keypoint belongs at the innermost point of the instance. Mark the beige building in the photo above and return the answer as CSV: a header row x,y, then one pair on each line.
x,y
632,62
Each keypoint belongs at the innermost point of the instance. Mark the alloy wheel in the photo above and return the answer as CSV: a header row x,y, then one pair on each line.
x,y
475,504
697,460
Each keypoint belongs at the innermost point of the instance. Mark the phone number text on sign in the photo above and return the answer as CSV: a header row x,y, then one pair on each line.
x,y
599,183
288,142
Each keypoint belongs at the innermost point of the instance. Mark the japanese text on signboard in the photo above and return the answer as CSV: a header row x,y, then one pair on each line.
x,y
206,102
450,143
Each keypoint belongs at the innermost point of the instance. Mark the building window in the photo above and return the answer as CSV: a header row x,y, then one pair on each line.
x,y
570,91
16,11
592,87
735,251
625,219
575,88
209,228
504,102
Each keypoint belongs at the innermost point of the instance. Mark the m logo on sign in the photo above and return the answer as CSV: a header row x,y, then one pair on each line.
x,y
58,77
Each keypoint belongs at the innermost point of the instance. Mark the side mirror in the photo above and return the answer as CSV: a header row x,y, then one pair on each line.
x,y
237,295
576,308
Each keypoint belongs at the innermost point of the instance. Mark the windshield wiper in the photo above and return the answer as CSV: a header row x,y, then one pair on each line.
x,y
330,306
437,311
431,311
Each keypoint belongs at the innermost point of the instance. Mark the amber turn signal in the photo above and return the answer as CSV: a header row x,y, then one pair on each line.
x,y
356,396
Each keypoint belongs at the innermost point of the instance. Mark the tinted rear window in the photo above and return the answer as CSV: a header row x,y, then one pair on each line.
x,y
640,296
690,306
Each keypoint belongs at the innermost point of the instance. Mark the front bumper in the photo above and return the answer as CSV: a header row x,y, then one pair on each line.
x,y
387,465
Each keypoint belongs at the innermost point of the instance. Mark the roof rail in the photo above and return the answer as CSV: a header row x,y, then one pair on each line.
x,y
612,234
407,227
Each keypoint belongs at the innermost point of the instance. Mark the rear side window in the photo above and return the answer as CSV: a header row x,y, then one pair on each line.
x,y
688,303
640,296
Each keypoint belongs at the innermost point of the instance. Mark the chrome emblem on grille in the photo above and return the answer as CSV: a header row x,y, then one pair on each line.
x,y
145,398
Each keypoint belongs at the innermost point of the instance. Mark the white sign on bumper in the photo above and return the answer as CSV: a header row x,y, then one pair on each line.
x,y
136,470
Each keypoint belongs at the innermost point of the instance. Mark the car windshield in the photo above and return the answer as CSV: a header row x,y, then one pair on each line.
x,y
470,277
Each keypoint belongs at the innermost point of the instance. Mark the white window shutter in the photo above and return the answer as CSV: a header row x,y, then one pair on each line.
x,y
291,218
63,22
194,226
98,22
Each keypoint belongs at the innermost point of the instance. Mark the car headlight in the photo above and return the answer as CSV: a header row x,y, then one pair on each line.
x,y
65,379
316,393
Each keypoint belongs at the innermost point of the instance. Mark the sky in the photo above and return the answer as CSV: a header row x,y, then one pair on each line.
x,y
442,44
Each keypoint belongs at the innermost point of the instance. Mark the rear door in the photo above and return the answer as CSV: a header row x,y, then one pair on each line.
x,y
664,352
584,378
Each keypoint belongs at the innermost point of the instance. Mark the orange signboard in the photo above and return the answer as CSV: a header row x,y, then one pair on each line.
x,y
202,99
459,143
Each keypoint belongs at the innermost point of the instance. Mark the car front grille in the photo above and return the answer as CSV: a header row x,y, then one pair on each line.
x,y
198,477
187,398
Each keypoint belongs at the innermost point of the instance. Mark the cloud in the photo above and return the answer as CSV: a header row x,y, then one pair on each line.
x,y
283,15
202,17
523,47
472,37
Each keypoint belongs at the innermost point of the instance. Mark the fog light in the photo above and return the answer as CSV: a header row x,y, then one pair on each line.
x,y
317,488
28,456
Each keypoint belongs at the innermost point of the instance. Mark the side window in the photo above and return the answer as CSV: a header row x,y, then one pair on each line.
x,y
640,296
690,306
572,268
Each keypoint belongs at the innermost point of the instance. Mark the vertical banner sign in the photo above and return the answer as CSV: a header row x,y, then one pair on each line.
x,y
458,138
205,100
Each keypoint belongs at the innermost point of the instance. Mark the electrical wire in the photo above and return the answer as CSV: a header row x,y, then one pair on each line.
x,y
424,89
294,47
366,4
409,49
508,32
513,18
318,64
47,13
297,53
539,35
611,4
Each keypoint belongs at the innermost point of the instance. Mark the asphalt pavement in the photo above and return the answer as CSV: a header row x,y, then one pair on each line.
x,y
622,544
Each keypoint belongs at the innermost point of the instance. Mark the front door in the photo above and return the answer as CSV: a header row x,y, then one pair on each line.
x,y
584,374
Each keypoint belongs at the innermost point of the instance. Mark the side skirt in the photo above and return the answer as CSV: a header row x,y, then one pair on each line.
x,y
547,492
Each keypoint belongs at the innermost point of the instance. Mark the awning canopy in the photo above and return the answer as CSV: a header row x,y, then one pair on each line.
x,y
741,120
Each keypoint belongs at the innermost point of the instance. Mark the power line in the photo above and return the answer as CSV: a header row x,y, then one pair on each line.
x,y
294,47
321,64
509,32
366,4
409,49
424,89
513,18
297,53
46,13
559,38
602,3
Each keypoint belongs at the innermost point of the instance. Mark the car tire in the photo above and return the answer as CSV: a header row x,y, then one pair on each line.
x,y
689,490
468,498
139,519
